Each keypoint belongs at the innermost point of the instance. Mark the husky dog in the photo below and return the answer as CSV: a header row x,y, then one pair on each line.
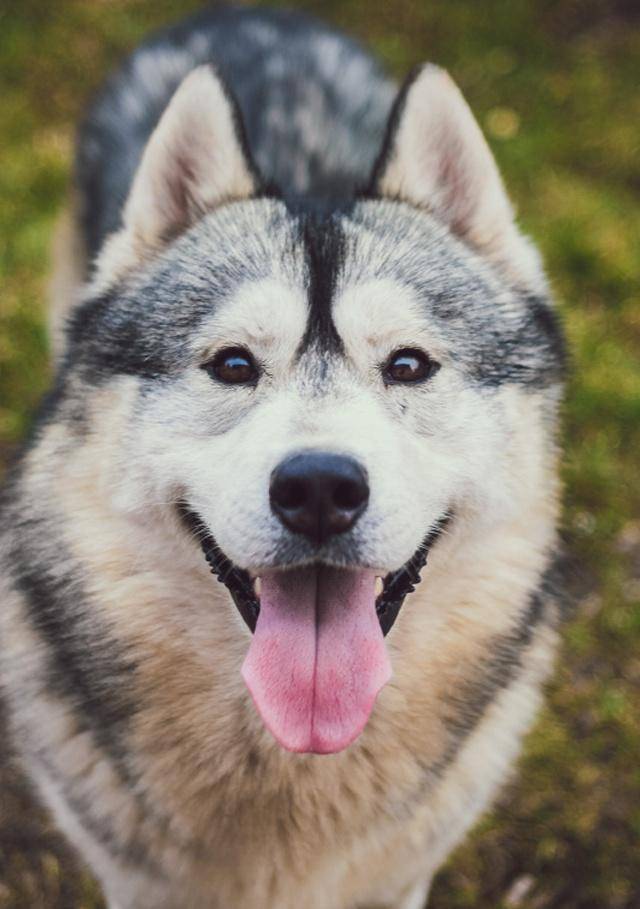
x,y
277,558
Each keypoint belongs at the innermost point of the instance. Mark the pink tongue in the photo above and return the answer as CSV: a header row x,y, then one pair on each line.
x,y
317,659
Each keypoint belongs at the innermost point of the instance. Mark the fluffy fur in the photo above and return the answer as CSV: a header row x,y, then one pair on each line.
x,y
246,179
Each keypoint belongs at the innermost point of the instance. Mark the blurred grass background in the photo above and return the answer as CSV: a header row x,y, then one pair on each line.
x,y
556,87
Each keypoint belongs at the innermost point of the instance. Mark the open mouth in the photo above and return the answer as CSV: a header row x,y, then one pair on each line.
x,y
395,586
317,660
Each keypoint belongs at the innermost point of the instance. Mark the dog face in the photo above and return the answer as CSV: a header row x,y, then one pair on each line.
x,y
399,289
320,393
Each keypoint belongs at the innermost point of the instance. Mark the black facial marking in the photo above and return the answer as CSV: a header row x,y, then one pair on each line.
x,y
499,336
86,665
145,327
324,244
529,351
399,584
109,339
546,325
236,580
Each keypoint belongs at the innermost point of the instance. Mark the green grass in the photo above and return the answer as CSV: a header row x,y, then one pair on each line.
x,y
556,87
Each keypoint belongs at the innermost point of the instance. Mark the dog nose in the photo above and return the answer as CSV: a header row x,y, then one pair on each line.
x,y
319,494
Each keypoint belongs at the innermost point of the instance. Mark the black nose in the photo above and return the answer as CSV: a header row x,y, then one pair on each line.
x,y
319,494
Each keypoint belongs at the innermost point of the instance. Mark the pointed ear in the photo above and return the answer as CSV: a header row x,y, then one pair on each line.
x,y
435,157
195,161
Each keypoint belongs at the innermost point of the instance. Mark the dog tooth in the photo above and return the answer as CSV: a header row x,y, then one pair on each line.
x,y
257,584
379,586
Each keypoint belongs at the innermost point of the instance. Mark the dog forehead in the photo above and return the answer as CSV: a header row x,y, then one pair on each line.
x,y
402,276
353,284
376,309
262,313
392,241
331,284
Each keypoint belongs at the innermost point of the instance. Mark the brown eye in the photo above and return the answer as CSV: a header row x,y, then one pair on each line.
x,y
233,366
409,366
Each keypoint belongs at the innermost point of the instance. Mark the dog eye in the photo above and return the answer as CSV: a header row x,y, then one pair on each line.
x,y
409,366
233,366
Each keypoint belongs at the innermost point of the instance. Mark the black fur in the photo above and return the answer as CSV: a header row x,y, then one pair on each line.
x,y
399,584
502,335
114,132
90,671
87,667
324,244
145,329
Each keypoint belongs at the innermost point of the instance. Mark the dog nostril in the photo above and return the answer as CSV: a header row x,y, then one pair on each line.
x,y
349,494
291,494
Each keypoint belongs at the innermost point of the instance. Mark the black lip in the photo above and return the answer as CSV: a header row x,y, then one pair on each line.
x,y
397,584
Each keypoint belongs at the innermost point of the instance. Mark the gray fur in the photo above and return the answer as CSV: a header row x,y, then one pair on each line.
x,y
314,105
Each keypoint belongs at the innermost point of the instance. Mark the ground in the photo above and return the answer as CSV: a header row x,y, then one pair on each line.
x,y
555,86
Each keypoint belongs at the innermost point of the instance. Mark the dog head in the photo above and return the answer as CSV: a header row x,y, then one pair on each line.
x,y
319,395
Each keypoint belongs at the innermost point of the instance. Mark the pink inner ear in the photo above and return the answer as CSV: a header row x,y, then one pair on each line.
x,y
193,162
441,161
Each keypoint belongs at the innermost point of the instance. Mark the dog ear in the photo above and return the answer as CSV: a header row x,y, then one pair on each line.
x,y
435,157
195,160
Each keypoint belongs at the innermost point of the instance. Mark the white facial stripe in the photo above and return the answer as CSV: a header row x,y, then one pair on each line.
x,y
379,316
269,317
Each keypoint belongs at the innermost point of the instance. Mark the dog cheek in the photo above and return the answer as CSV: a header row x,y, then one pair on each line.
x,y
409,492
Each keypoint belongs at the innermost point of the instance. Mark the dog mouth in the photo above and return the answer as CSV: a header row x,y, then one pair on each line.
x,y
391,589
317,658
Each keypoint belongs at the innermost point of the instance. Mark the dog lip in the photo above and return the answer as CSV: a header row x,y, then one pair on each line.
x,y
238,582
398,584
244,588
